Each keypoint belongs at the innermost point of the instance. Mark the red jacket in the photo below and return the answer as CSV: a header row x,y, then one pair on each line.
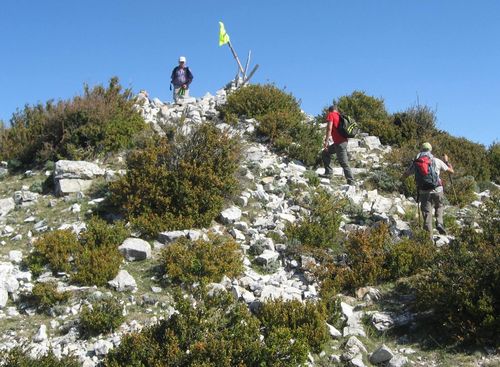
x,y
334,118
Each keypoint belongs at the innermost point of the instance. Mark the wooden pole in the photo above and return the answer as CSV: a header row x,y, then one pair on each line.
x,y
250,75
236,57
246,65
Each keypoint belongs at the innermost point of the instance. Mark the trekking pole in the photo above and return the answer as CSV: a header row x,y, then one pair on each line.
x,y
453,187
418,209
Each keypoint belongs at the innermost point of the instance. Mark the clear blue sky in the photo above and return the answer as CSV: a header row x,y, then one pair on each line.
x,y
446,53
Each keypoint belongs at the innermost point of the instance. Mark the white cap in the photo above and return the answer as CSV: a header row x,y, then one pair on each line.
x,y
182,59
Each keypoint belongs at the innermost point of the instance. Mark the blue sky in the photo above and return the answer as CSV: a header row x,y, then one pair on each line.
x,y
441,53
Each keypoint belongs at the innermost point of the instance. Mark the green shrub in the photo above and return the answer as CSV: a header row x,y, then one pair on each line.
x,y
102,120
218,331
410,255
460,191
103,317
363,107
98,258
280,120
45,295
19,357
189,261
92,260
258,100
494,159
462,286
306,321
321,227
54,248
178,184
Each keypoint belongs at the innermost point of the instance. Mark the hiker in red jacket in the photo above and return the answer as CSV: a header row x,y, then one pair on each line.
x,y
339,146
426,169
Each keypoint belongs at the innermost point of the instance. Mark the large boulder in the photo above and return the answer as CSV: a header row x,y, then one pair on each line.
x,y
75,176
77,169
69,186
6,205
135,249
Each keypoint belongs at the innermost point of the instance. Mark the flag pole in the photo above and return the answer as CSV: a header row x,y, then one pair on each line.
x,y
236,57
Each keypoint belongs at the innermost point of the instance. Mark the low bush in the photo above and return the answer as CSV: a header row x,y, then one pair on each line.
x,y
103,317
370,257
45,295
256,101
20,357
460,191
54,248
494,159
189,261
218,332
280,120
93,259
98,258
102,120
178,184
321,227
410,255
462,286
363,107
306,321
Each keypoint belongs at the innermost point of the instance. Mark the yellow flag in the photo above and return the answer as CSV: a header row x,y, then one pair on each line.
x,y
223,36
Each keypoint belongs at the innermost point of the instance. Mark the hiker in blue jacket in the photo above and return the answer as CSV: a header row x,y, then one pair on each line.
x,y
181,78
426,169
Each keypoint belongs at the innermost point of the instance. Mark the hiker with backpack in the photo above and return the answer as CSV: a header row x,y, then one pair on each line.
x,y
426,169
339,145
181,78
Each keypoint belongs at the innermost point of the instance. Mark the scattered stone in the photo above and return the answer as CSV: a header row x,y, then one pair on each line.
x,y
135,249
41,334
102,347
6,206
4,297
334,333
230,215
398,361
381,354
170,236
15,256
123,282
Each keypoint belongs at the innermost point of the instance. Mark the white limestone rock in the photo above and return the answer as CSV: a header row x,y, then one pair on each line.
x,y
170,236
135,249
123,282
41,334
77,169
72,185
230,215
16,256
102,347
6,206
4,297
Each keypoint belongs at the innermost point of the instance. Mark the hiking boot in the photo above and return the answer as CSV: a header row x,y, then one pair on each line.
x,y
325,175
351,183
441,230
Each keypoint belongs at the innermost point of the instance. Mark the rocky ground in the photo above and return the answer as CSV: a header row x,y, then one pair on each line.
x,y
256,219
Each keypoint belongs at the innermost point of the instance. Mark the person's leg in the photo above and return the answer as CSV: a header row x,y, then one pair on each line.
x,y
326,156
176,94
341,150
438,199
426,208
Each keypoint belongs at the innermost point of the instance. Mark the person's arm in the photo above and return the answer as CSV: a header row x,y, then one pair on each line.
x,y
189,77
328,133
407,173
448,164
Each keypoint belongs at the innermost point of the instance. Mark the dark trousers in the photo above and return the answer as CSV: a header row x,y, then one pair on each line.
x,y
341,152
